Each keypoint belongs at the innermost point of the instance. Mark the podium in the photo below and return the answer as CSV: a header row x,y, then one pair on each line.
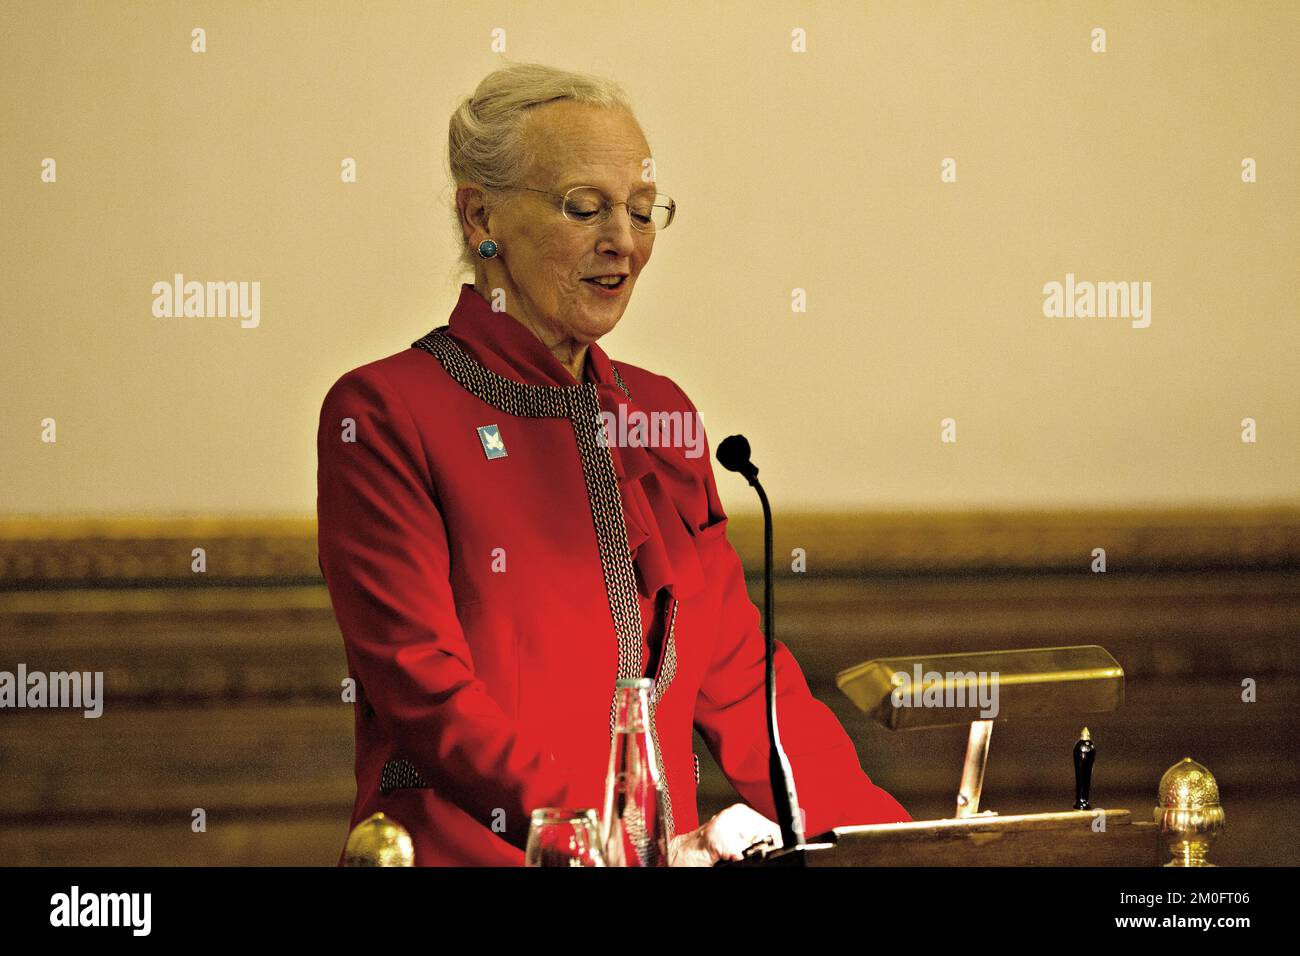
x,y
1068,838
911,694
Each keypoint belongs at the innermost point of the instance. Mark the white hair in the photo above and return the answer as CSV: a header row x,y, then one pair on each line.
x,y
485,142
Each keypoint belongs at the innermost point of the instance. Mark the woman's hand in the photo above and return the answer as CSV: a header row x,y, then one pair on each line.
x,y
725,837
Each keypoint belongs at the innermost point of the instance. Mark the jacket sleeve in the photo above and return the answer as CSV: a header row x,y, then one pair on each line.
x,y
384,554
731,708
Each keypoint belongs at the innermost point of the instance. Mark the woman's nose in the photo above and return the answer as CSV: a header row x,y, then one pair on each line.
x,y
617,230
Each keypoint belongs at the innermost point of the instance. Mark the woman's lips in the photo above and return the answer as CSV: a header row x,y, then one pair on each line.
x,y
608,292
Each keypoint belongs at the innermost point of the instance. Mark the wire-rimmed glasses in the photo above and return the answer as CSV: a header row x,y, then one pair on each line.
x,y
589,206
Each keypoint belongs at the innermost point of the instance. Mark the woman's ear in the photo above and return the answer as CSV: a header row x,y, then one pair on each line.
x,y
473,213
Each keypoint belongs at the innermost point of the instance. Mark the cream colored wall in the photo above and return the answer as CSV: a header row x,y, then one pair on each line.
x,y
816,170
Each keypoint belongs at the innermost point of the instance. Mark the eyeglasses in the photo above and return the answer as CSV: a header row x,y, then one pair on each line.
x,y
589,206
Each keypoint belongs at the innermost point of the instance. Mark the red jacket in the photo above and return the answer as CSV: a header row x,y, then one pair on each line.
x,y
488,601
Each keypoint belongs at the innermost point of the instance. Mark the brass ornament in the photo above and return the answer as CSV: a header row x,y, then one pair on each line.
x,y
379,841
1188,812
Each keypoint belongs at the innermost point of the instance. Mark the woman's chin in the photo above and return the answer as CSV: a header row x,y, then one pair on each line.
x,y
593,322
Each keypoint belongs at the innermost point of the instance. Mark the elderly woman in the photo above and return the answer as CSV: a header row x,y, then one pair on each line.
x,y
497,559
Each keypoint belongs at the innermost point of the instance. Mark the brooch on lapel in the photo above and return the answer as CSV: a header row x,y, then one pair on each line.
x,y
493,446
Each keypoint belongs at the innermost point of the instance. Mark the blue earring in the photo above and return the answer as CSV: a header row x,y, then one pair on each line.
x,y
487,248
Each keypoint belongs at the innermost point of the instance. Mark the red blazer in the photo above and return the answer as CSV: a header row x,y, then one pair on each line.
x,y
488,601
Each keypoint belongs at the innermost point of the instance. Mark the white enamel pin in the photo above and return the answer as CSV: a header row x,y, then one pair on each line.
x,y
493,446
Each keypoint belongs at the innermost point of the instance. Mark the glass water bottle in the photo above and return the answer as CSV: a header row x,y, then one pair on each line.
x,y
634,825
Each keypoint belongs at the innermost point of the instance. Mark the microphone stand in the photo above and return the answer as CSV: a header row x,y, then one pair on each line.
x,y
733,454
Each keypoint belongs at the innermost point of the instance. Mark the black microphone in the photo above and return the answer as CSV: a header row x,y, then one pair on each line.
x,y
733,455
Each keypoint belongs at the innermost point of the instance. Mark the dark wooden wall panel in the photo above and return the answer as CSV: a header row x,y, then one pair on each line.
x,y
225,693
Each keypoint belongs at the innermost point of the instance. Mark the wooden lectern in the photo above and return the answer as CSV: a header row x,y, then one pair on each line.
x,y
1069,838
946,689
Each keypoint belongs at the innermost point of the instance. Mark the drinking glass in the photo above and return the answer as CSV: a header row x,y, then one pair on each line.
x,y
563,836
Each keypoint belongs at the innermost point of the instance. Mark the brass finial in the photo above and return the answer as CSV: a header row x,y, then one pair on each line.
x,y
1188,812
1084,734
379,841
